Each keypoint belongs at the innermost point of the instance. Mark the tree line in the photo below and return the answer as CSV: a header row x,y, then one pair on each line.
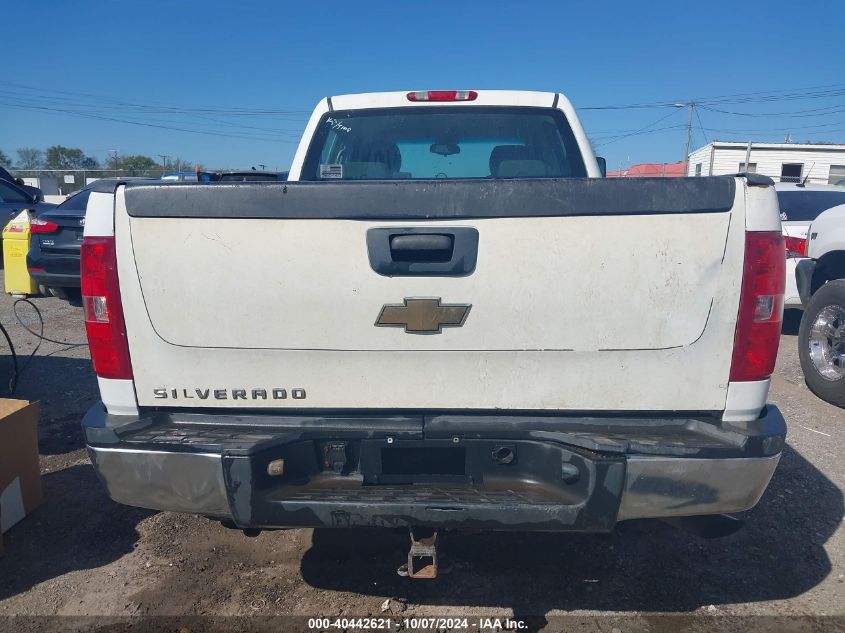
x,y
59,157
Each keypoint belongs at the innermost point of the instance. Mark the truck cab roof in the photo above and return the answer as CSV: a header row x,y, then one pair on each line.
x,y
483,103
399,99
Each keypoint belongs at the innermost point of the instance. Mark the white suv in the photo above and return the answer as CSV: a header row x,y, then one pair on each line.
x,y
800,204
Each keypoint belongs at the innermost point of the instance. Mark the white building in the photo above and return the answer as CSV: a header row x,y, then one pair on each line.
x,y
784,162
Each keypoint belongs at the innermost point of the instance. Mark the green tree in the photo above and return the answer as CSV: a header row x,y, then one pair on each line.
x,y
60,157
29,157
89,162
137,163
4,160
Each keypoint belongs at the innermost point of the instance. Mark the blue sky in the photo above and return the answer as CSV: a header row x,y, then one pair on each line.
x,y
219,62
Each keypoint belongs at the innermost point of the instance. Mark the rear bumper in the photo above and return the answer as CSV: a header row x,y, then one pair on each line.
x,y
442,471
52,280
53,269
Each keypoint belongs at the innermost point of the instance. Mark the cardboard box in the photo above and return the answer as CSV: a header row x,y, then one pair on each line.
x,y
20,475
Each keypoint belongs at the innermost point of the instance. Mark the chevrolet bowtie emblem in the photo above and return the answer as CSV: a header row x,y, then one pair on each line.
x,y
422,316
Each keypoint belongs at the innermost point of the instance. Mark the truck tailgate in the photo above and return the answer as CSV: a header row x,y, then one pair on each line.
x,y
570,294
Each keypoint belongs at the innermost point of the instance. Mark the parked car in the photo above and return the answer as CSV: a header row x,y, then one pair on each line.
x,y
418,348
14,199
55,240
181,176
251,176
800,204
820,279
35,192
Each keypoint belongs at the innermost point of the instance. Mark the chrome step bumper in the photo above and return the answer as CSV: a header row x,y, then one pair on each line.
x,y
551,485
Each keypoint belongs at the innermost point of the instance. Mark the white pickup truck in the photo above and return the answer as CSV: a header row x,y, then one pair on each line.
x,y
446,318
820,280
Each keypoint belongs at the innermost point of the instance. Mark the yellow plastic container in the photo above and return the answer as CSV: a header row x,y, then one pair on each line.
x,y
15,247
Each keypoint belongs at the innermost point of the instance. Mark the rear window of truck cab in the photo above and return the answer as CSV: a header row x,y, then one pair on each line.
x,y
423,143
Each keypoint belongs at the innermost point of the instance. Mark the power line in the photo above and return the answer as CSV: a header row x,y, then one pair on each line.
x,y
159,106
76,104
145,117
613,139
701,126
767,92
637,133
835,109
152,125
776,129
789,94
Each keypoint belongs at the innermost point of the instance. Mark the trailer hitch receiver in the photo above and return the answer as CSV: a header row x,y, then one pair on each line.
x,y
422,556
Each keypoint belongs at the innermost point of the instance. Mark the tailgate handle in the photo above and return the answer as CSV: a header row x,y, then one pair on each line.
x,y
422,247
424,251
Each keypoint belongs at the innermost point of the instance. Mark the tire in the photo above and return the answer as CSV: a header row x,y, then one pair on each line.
x,y
821,343
59,293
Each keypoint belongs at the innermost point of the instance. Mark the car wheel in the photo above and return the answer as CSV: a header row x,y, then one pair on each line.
x,y
821,343
59,293
43,290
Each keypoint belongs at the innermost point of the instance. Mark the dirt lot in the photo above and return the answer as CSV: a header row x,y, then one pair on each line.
x,y
82,555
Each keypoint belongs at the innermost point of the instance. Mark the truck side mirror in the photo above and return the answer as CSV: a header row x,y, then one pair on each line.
x,y
602,165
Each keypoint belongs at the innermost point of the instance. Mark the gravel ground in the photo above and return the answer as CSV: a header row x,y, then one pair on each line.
x,y
80,554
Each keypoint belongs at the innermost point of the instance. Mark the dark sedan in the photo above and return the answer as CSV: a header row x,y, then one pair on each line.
x,y
55,241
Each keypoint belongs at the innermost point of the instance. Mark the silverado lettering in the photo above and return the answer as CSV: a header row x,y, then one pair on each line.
x,y
164,393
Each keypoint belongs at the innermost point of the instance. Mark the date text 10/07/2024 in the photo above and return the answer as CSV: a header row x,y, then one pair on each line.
x,y
418,624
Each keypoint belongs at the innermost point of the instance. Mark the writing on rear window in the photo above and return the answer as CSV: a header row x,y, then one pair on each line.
x,y
338,125
331,171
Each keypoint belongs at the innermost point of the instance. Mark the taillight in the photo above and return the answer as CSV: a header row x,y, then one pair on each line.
x,y
443,95
760,307
103,311
795,246
38,225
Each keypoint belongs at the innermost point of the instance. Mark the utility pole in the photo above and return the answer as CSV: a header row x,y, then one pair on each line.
x,y
113,152
691,106
163,158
